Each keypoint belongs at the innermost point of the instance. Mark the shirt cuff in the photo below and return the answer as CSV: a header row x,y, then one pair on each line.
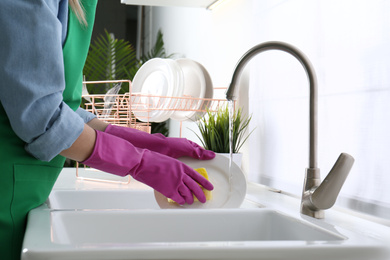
x,y
60,136
85,115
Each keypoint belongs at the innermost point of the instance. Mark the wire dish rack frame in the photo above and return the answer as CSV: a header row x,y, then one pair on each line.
x,y
135,110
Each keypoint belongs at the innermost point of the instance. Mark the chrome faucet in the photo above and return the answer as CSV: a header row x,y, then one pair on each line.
x,y
316,196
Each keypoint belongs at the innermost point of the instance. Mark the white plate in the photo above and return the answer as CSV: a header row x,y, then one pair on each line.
x,y
197,85
224,195
157,78
170,103
209,92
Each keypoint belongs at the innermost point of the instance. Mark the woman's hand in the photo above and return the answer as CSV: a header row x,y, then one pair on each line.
x,y
167,175
173,147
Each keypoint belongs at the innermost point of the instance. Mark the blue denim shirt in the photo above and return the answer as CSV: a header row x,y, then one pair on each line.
x,y
32,76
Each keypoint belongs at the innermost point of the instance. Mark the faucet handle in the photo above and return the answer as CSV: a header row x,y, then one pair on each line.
x,y
324,197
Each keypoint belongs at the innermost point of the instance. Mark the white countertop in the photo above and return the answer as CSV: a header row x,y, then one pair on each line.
x,y
362,238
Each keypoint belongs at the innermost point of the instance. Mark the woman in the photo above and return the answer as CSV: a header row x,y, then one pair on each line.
x,y
44,44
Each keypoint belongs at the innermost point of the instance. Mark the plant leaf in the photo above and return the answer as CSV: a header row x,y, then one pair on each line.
x,y
214,129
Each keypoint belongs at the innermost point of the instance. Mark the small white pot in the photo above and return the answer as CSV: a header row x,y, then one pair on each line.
x,y
237,158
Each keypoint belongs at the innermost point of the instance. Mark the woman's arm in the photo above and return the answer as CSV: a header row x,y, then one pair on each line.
x,y
98,124
91,120
82,148
32,77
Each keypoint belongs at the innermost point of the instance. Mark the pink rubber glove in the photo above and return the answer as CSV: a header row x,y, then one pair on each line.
x,y
173,147
167,175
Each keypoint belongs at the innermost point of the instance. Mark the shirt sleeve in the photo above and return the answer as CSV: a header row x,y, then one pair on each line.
x,y
32,77
85,115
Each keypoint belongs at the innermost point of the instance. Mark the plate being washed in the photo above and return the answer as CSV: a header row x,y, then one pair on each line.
x,y
224,195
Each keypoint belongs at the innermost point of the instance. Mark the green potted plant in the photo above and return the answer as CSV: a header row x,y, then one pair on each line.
x,y
214,131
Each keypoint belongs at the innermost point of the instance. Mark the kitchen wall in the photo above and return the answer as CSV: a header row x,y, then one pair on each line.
x,y
116,18
347,42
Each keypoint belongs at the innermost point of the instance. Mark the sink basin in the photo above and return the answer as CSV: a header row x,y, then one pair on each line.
x,y
185,234
81,228
97,199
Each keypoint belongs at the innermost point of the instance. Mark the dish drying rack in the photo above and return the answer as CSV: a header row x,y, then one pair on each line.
x,y
122,108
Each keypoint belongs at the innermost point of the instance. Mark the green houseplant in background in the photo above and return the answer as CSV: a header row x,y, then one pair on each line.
x,y
214,130
111,59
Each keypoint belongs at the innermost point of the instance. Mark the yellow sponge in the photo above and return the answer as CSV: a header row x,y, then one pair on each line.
x,y
207,193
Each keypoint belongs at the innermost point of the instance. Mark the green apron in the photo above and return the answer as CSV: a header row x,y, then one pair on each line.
x,y
26,182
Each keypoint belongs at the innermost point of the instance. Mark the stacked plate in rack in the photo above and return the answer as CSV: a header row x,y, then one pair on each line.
x,y
165,88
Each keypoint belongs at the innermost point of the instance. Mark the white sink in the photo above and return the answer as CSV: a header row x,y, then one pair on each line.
x,y
80,228
186,234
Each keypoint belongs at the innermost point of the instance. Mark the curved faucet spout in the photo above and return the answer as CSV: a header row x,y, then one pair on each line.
x,y
301,57
315,196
